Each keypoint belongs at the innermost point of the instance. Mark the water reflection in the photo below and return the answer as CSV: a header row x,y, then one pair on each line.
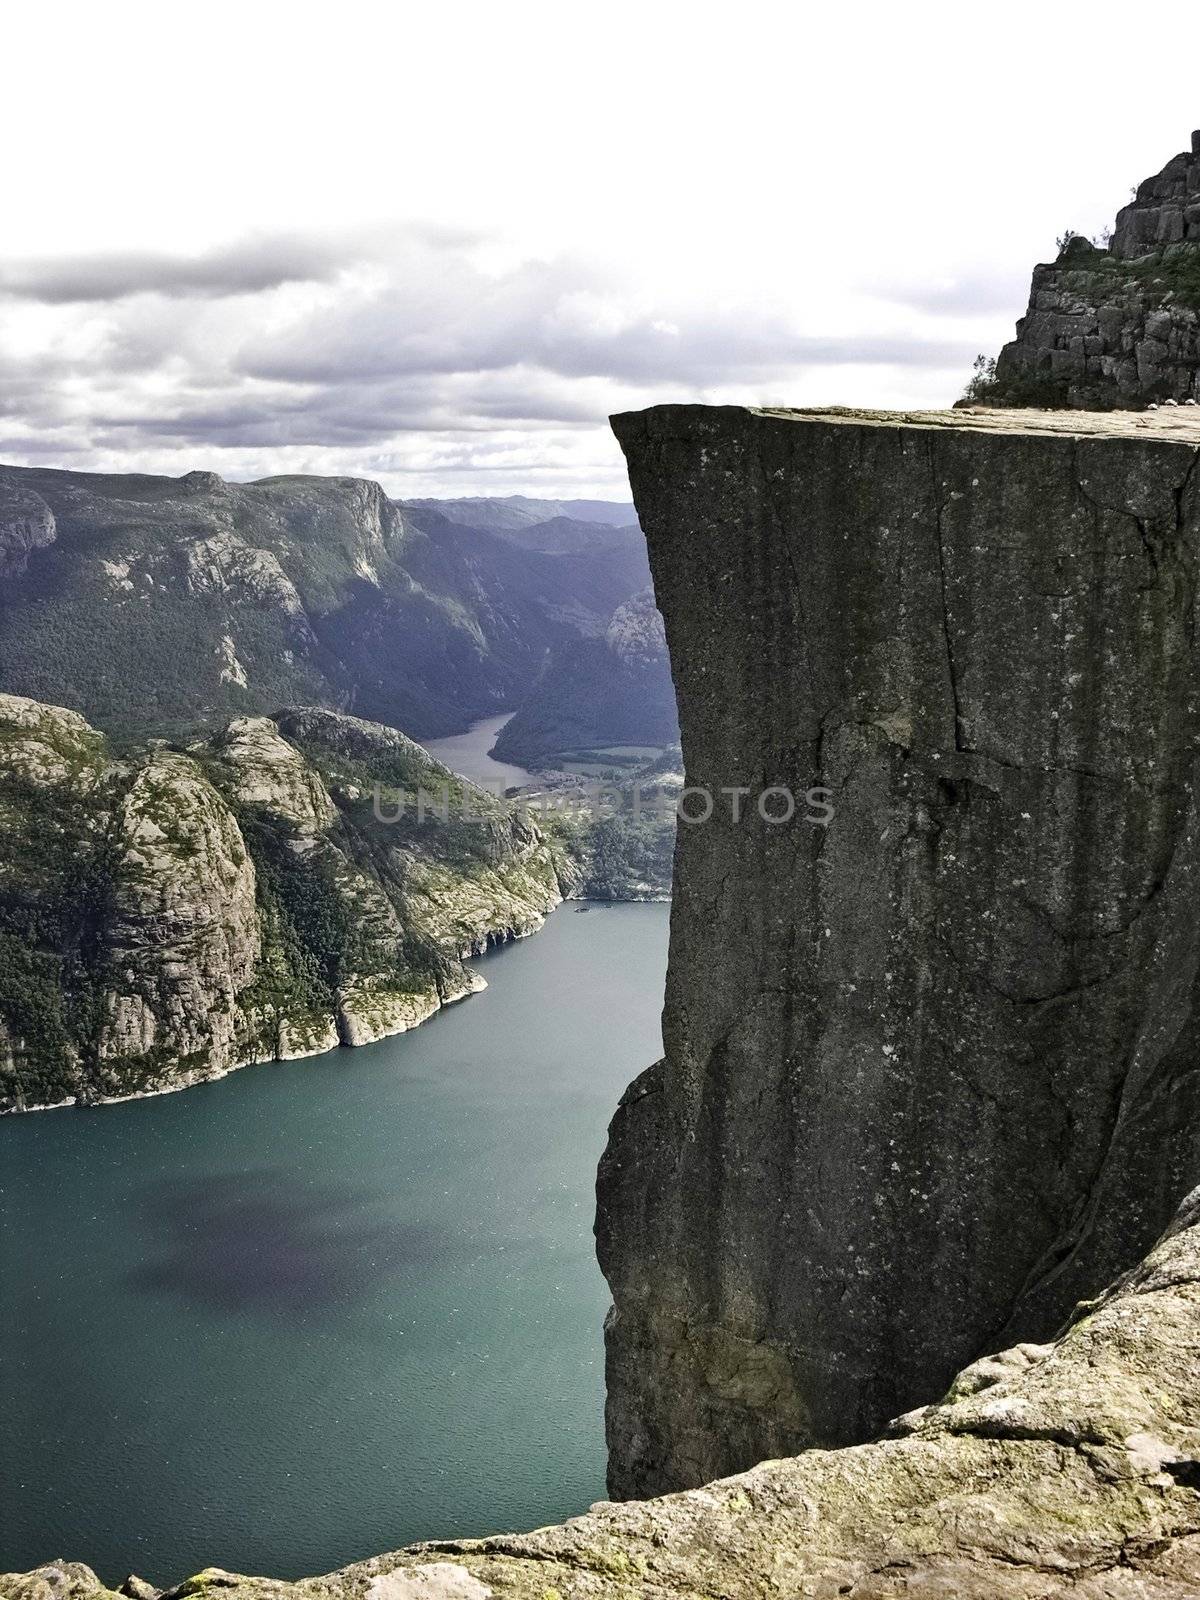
x,y
271,1241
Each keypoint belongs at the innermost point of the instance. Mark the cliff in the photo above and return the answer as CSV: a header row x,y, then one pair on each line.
x,y
929,1073
1064,1470
171,913
1118,324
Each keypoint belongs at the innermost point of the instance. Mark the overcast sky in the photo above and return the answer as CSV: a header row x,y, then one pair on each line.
x,y
438,245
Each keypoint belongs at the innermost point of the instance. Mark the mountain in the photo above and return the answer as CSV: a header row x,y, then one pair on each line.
x,y
1115,324
611,691
160,605
513,512
570,536
191,879
555,527
172,912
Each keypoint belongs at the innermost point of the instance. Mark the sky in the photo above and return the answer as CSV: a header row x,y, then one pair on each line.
x,y
437,246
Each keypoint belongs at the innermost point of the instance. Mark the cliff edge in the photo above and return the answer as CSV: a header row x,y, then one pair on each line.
x,y
930,1069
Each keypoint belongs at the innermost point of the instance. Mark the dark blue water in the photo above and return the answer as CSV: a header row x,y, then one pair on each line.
x,y
317,1310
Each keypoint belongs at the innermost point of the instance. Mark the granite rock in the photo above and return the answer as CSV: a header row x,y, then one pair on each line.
x,y
1118,324
929,1072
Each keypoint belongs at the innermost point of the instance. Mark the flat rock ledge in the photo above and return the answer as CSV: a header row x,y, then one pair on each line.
x,y
1068,1469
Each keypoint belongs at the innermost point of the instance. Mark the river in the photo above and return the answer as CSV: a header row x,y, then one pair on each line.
x,y
320,1309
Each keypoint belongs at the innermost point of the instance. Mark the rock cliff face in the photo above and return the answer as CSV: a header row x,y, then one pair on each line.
x,y
1117,325
930,1070
26,524
1065,1471
169,914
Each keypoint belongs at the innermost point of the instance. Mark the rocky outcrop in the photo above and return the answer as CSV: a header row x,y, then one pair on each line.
x,y
929,1070
1164,211
26,524
178,933
170,914
1115,325
636,636
1070,1469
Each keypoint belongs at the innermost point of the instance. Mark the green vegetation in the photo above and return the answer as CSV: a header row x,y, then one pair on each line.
x,y
31,996
148,664
1037,390
615,857
1170,274
307,930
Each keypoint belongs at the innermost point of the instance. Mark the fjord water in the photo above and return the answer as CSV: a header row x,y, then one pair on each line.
x,y
320,1309
468,755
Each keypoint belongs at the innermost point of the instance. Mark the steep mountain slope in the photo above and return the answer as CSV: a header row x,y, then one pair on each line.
x,y
172,913
610,691
159,604
568,535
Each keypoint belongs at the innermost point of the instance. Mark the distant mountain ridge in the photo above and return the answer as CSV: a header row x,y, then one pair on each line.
x,y
507,512
159,605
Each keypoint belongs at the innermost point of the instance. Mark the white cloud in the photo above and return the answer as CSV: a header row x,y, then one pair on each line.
x,y
431,247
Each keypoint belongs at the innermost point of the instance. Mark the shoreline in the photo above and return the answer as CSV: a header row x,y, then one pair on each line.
x,y
73,1102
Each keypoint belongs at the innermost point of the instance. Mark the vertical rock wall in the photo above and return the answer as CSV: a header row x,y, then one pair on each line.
x,y
931,1071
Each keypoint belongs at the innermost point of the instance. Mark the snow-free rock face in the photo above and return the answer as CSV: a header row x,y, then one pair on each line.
x,y
930,1069
26,524
180,938
267,893
1118,324
1066,1471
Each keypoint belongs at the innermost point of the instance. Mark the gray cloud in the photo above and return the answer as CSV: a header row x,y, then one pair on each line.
x,y
249,267
972,294
404,348
558,320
